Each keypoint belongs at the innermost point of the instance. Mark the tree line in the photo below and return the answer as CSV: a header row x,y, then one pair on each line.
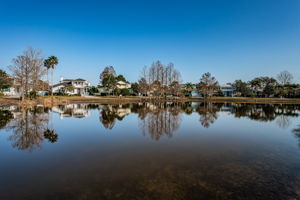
x,y
160,80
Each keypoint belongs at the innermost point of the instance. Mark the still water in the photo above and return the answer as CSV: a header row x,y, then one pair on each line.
x,y
151,151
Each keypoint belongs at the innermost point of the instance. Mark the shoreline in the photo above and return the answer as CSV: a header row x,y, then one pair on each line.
x,y
63,100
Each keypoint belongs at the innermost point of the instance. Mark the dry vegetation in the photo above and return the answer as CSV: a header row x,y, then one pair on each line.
x,y
63,100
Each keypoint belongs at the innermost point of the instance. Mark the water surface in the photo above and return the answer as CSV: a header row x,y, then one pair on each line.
x,y
151,151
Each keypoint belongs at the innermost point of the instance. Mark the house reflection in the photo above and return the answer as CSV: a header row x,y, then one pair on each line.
x,y
109,114
72,110
30,127
159,119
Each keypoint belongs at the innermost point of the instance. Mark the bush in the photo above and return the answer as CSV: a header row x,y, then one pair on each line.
x,y
32,95
93,90
125,92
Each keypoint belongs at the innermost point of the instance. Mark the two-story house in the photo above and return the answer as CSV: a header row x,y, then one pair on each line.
x,y
72,87
228,89
123,85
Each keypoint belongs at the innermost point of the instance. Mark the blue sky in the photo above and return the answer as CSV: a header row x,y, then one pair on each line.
x,y
232,39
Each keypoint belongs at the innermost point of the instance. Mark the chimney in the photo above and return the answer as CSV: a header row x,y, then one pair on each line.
x,y
61,79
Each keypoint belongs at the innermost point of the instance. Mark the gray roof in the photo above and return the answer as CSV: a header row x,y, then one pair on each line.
x,y
59,84
78,79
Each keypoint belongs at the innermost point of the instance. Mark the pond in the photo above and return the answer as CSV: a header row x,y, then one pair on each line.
x,y
151,151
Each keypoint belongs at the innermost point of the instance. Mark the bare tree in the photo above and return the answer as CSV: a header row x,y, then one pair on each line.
x,y
175,88
285,77
27,70
208,84
159,77
143,86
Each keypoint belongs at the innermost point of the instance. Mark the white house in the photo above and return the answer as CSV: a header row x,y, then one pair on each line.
x,y
227,89
14,90
11,91
78,86
72,110
123,85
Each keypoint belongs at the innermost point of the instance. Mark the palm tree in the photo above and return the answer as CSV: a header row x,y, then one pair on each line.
x,y
50,64
47,67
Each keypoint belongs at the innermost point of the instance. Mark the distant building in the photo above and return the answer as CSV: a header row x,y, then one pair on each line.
x,y
14,90
72,87
123,85
228,89
72,110
191,91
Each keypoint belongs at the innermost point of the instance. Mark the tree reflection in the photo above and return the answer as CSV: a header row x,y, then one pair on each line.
x,y
283,121
28,130
110,113
208,113
267,112
50,135
30,127
5,117
296,132
160,119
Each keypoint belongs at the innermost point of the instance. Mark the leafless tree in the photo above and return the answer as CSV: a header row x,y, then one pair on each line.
x,y
285,77
159,77
28,69
143,86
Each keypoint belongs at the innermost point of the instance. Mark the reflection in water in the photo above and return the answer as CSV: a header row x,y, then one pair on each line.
x,y
5,117
28,130
72,110
50,135
296,132
264,112
283,121
208,113
30,127
261,162
110,113
160,119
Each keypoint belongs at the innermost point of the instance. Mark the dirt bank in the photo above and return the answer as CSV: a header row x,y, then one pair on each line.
x,y
62,100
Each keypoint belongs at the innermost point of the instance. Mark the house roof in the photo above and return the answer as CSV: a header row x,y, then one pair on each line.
x,y
59,84
78,79
121,83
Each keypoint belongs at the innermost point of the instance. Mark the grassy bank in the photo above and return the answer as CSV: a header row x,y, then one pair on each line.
x,y
63,100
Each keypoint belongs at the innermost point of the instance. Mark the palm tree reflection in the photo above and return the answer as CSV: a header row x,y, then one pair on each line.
x,y
50,135
30,127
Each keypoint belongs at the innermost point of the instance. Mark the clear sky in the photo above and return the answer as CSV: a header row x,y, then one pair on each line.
x,y
232,39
